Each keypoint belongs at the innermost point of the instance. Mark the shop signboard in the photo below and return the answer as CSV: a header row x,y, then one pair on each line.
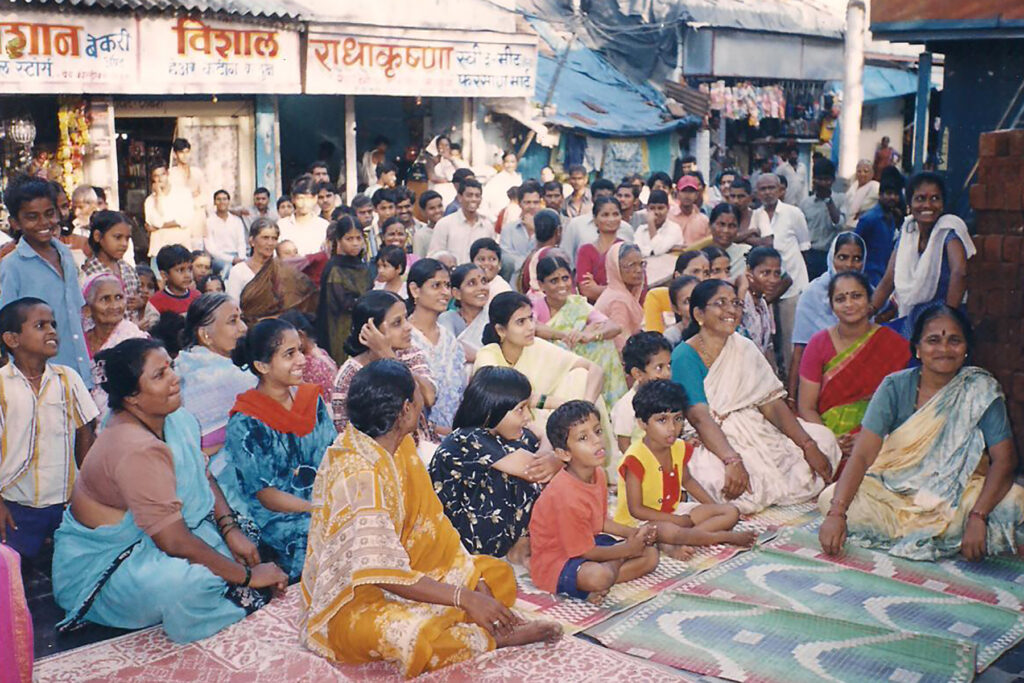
x,y
47,52
362,61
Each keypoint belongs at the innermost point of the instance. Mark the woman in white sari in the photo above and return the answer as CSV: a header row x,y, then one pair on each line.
x,y
737,400
862,195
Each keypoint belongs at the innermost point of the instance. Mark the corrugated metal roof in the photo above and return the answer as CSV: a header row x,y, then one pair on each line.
x,y
270,9
824,18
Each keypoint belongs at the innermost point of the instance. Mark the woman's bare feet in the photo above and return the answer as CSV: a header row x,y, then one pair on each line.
x,y
677,552
740,538
597,597
531,632
519,553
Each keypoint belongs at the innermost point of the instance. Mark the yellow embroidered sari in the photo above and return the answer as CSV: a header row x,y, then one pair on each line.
x,y
377,521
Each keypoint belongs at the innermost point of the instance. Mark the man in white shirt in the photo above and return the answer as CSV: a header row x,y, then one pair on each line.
x,y
517,239
225,234
796,177
582,229
456,232
660,235
168,213
305,227
786,225
495,196
432,205
260,208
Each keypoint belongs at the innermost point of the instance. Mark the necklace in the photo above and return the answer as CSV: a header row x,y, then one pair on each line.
x,y
703,352
148,428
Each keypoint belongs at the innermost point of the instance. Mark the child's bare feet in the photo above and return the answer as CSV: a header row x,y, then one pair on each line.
x,y
519,553
677,552
597,597
740,538
530,632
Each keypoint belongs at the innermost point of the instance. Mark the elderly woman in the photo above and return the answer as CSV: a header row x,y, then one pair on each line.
x,y
386,577
106,326
138,545
929,263
932,470
755,452
276,437
210,382
862,196
488,470
263,236
620,300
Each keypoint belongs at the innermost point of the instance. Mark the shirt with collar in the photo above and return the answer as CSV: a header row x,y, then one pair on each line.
x,y
456,234
37,453
225,237
421,239
585,208
788,231
25,273
820,225
308,240
517,243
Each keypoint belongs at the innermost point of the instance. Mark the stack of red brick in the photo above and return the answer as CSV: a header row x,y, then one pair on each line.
x,y
995,276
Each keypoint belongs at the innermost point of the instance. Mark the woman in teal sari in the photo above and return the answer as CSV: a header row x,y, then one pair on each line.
x,y
569,320
140,545
931,473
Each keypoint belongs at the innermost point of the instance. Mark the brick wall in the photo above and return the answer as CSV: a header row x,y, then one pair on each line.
x,y
995,276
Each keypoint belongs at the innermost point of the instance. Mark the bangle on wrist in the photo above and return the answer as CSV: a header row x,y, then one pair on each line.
x,y
836,513
980,515
541,401
456,599
248,575
733,460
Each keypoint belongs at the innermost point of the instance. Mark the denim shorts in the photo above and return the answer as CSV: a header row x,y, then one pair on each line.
x,y
567,577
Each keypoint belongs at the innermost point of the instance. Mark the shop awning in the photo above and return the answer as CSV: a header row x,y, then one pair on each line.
x,y
593,96
281,9
881,83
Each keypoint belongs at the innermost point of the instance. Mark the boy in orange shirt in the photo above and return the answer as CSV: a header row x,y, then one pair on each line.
x,y
571,549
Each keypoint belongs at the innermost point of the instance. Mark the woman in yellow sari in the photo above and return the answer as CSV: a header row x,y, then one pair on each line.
x,y
932,469
386,576
556,374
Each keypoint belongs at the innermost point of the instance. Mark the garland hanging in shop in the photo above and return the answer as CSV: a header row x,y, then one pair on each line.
x,y
73,128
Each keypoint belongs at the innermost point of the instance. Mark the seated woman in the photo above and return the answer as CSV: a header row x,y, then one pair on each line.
x,y
929,262
105,326
567,319
320,367
843,365
658,308
556,375
814,309
932,469
738,409
429,293
138,545
386,577
620,300
487,471
276,437
380,329
210,382
466,321
679,292
15,622
591,272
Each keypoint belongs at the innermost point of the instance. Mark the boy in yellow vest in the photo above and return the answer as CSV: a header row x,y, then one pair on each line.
x,y
652,476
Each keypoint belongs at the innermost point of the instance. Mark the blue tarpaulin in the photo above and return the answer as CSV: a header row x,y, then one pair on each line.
x,y
881,83
593,96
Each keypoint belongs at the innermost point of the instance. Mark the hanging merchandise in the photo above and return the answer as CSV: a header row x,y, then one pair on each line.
x,y
73,129
747,101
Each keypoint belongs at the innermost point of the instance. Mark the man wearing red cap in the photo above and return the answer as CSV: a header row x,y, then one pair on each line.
x,y
694,224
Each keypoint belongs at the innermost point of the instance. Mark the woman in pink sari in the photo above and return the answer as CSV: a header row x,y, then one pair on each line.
x,y
621,299
15,621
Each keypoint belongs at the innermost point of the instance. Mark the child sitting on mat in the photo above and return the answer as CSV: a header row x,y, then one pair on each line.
x,y
646,356
653,474
571,550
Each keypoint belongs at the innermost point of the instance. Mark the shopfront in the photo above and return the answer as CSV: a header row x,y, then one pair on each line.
x,y
141,81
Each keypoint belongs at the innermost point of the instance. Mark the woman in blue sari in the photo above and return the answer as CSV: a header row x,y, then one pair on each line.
x,y
139,545
276,438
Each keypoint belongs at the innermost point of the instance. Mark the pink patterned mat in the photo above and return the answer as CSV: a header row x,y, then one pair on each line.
x,y
265,647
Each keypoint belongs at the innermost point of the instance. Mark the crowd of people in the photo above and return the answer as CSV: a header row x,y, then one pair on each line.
x,y
389,410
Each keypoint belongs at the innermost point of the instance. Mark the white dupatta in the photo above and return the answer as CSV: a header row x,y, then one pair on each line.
x,y
917,274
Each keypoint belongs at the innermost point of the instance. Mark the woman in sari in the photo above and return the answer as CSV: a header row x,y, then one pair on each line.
x,y
591,258
929,262
429,294
263,236
138,545
568,320
466,321
736,398
105,326
386,577
276,438
556,374
814,309
932,469
15,621
210,382
380,329
620,300
488,470
862,195
843,365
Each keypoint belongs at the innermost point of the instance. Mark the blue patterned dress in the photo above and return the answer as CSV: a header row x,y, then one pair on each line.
x,y
447,363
